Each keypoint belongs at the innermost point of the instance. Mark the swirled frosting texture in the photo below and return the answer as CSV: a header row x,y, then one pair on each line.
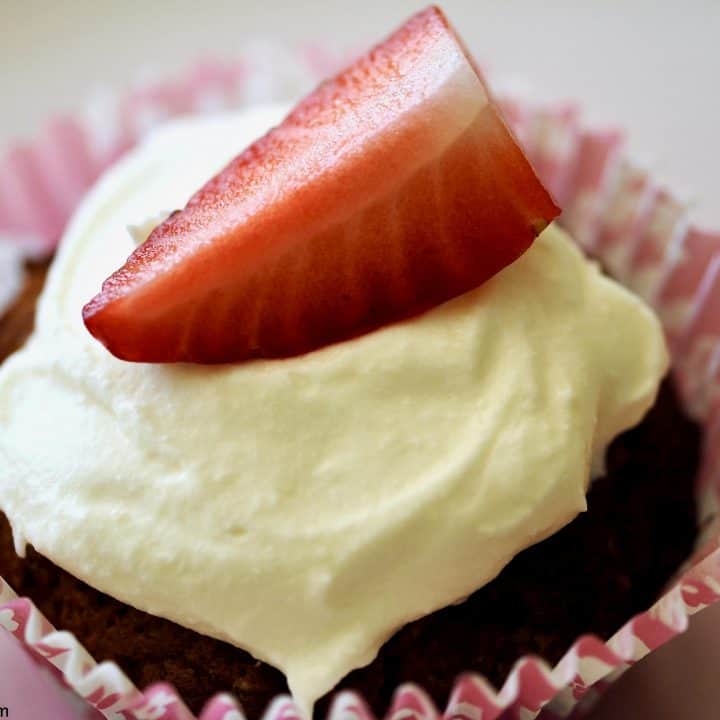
x,y
305,509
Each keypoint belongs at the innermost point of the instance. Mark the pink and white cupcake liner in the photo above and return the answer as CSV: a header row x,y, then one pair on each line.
x,y
612,207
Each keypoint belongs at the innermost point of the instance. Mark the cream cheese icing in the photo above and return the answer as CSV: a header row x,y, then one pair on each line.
x,y
304,509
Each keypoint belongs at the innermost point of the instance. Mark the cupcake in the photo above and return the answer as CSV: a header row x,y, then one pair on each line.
x,y
340,413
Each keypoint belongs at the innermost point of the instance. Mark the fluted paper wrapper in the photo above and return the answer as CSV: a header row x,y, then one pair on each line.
x,y
612,207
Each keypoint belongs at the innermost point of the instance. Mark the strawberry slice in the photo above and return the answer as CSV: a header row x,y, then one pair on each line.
x,y
390,189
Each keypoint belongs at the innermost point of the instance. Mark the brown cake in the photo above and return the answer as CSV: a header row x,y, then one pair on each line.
x,y
607,565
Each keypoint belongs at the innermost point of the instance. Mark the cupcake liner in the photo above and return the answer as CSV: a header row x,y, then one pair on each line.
x,y
592,178
11,269
659,248
625,216
638,230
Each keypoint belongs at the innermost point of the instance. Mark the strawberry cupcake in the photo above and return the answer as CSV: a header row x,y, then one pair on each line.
x,y
326,396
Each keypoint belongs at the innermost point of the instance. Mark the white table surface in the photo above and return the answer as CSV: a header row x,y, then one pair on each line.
x,y
650,66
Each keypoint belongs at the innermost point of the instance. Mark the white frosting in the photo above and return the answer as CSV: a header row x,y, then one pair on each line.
x,y
305,509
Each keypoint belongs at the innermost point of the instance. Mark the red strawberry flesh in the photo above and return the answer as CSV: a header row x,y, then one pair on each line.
x,y
392,188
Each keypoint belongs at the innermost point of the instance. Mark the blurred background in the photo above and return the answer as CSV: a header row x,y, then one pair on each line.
x,y
650,67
